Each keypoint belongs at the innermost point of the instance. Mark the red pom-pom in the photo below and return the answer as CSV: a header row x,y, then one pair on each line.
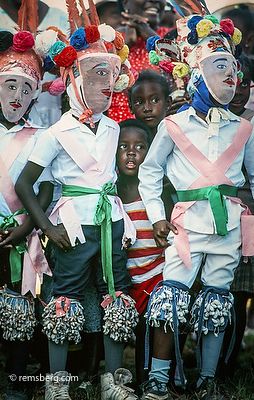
x,y
109,46
227,26
92,34
166,66
66,58
119,41
23,41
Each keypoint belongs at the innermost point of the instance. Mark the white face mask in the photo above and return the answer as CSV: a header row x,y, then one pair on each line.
x,y
16,94
219,72
99,73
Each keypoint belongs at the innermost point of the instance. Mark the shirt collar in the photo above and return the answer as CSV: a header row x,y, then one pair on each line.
x,y
69,122
232,117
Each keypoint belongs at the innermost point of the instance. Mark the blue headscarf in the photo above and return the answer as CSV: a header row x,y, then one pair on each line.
x,y
202,101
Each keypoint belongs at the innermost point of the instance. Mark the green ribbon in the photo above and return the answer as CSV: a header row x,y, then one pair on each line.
x,y
102,217
15,257
215,196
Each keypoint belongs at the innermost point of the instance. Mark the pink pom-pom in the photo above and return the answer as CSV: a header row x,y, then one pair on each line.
x,y
57,87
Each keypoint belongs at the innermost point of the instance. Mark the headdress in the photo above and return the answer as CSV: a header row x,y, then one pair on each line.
x,y
87,36
199,36
18,53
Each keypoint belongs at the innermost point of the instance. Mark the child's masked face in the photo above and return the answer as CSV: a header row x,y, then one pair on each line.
x,y
16,94
99,73
220,75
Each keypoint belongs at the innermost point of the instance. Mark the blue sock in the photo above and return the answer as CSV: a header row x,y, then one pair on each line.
x,y
160,370
211,348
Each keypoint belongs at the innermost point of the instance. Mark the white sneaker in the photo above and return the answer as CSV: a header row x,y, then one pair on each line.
x,y
112,391
57,386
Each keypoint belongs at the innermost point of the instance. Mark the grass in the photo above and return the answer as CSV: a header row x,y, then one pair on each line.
x,y
240,387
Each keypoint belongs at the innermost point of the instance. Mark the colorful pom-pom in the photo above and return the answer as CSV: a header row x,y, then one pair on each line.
x,y
193,21
123,53
122,83
212,18
167,66
154,58
204,27
6,40
237,36
67,57
48,64
150,43
56,49
180,70
92,33
119,41
78,39
107,33
44,41
227,26
192,37
57,87
23,41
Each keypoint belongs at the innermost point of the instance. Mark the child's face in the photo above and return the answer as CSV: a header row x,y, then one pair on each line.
x,y
149,104
242,93
131,151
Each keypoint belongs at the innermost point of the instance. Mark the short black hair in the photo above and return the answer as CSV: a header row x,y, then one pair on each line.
x,y
151,76
135,123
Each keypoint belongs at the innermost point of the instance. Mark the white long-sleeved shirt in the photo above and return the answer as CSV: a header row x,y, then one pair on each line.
x,y
164,157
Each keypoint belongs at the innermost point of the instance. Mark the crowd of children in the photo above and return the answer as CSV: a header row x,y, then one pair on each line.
x,y
146,207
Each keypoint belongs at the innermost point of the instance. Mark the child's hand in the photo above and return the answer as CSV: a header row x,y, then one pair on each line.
x,y
161,230
59,236
13,236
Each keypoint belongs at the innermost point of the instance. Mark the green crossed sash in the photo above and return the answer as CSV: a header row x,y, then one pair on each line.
x,y
102,217
214,194
15,257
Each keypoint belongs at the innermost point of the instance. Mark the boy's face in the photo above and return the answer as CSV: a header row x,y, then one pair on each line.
x,y
220,75
149,104
99,73
242,93
131,151
16,94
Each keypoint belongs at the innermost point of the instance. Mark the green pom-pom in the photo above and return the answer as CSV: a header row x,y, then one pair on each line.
x,y
212,18
154,58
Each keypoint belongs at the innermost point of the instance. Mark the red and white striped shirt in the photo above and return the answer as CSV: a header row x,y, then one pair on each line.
x,y
145,260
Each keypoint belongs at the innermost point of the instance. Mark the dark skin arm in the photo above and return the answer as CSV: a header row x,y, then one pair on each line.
x,y
162,228
13,236
24,189
136,26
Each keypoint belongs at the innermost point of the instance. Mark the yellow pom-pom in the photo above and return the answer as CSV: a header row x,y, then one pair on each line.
x,y
154,58
123,53
237,36
180,70
204,27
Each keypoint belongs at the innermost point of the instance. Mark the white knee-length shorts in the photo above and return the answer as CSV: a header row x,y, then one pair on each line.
x,y
220,256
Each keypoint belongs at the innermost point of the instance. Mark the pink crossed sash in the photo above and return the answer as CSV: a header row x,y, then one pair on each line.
x,y
34,259
94,171
212,173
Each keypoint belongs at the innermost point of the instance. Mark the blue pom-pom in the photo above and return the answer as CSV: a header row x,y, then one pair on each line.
x,y
78,39
150,43
192,23
48,63
192,37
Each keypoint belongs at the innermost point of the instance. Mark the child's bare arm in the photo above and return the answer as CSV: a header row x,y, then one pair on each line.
x,y
24,189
